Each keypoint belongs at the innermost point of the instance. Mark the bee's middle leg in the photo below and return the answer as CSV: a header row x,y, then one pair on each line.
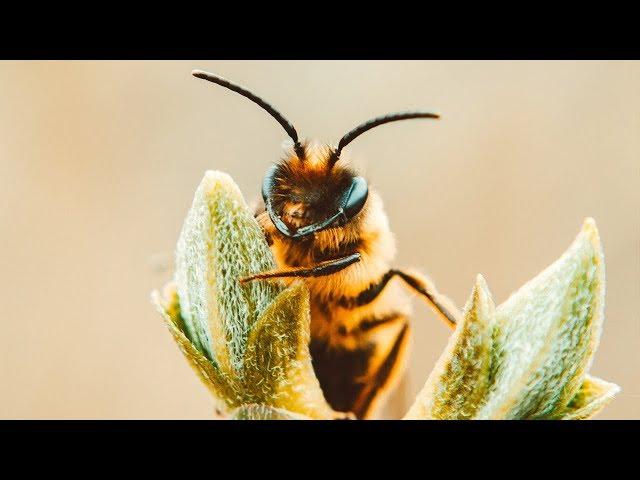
x,y
445,309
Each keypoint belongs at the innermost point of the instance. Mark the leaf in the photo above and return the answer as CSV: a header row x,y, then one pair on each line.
x,y
249,343
277,364
529,358
221,242
592,397
458,384
221,386
265,412
546,334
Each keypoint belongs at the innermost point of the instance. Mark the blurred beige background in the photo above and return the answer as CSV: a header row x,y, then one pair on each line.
x,y
99,162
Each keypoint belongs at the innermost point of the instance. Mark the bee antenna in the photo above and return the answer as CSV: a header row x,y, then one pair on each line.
x,y
368,125
223,82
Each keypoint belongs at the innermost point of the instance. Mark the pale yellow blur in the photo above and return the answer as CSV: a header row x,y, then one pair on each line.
x,y
99,162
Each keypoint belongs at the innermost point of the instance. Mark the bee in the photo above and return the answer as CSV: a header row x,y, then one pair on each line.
x,y
326,225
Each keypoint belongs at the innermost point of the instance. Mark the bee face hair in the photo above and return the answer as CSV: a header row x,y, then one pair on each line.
x,y
304,197
307,193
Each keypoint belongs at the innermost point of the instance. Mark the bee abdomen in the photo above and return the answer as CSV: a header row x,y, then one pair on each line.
x,y
352,378
341,371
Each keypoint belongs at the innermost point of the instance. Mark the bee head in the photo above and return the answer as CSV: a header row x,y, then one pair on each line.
x,y
307,192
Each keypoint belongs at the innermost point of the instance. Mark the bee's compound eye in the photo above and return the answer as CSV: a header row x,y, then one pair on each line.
x,y
356,198
268,183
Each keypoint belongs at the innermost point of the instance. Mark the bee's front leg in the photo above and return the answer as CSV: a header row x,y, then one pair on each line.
x,y
321,269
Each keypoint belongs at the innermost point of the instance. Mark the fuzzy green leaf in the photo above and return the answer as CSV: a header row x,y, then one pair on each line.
x,y
248,343
265,412
547,333
277,365
527,359
592,397
221,242
459,383
222,387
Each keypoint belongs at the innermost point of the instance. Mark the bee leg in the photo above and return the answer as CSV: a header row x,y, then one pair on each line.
x,y
441,304
385,375
444,307
321,269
